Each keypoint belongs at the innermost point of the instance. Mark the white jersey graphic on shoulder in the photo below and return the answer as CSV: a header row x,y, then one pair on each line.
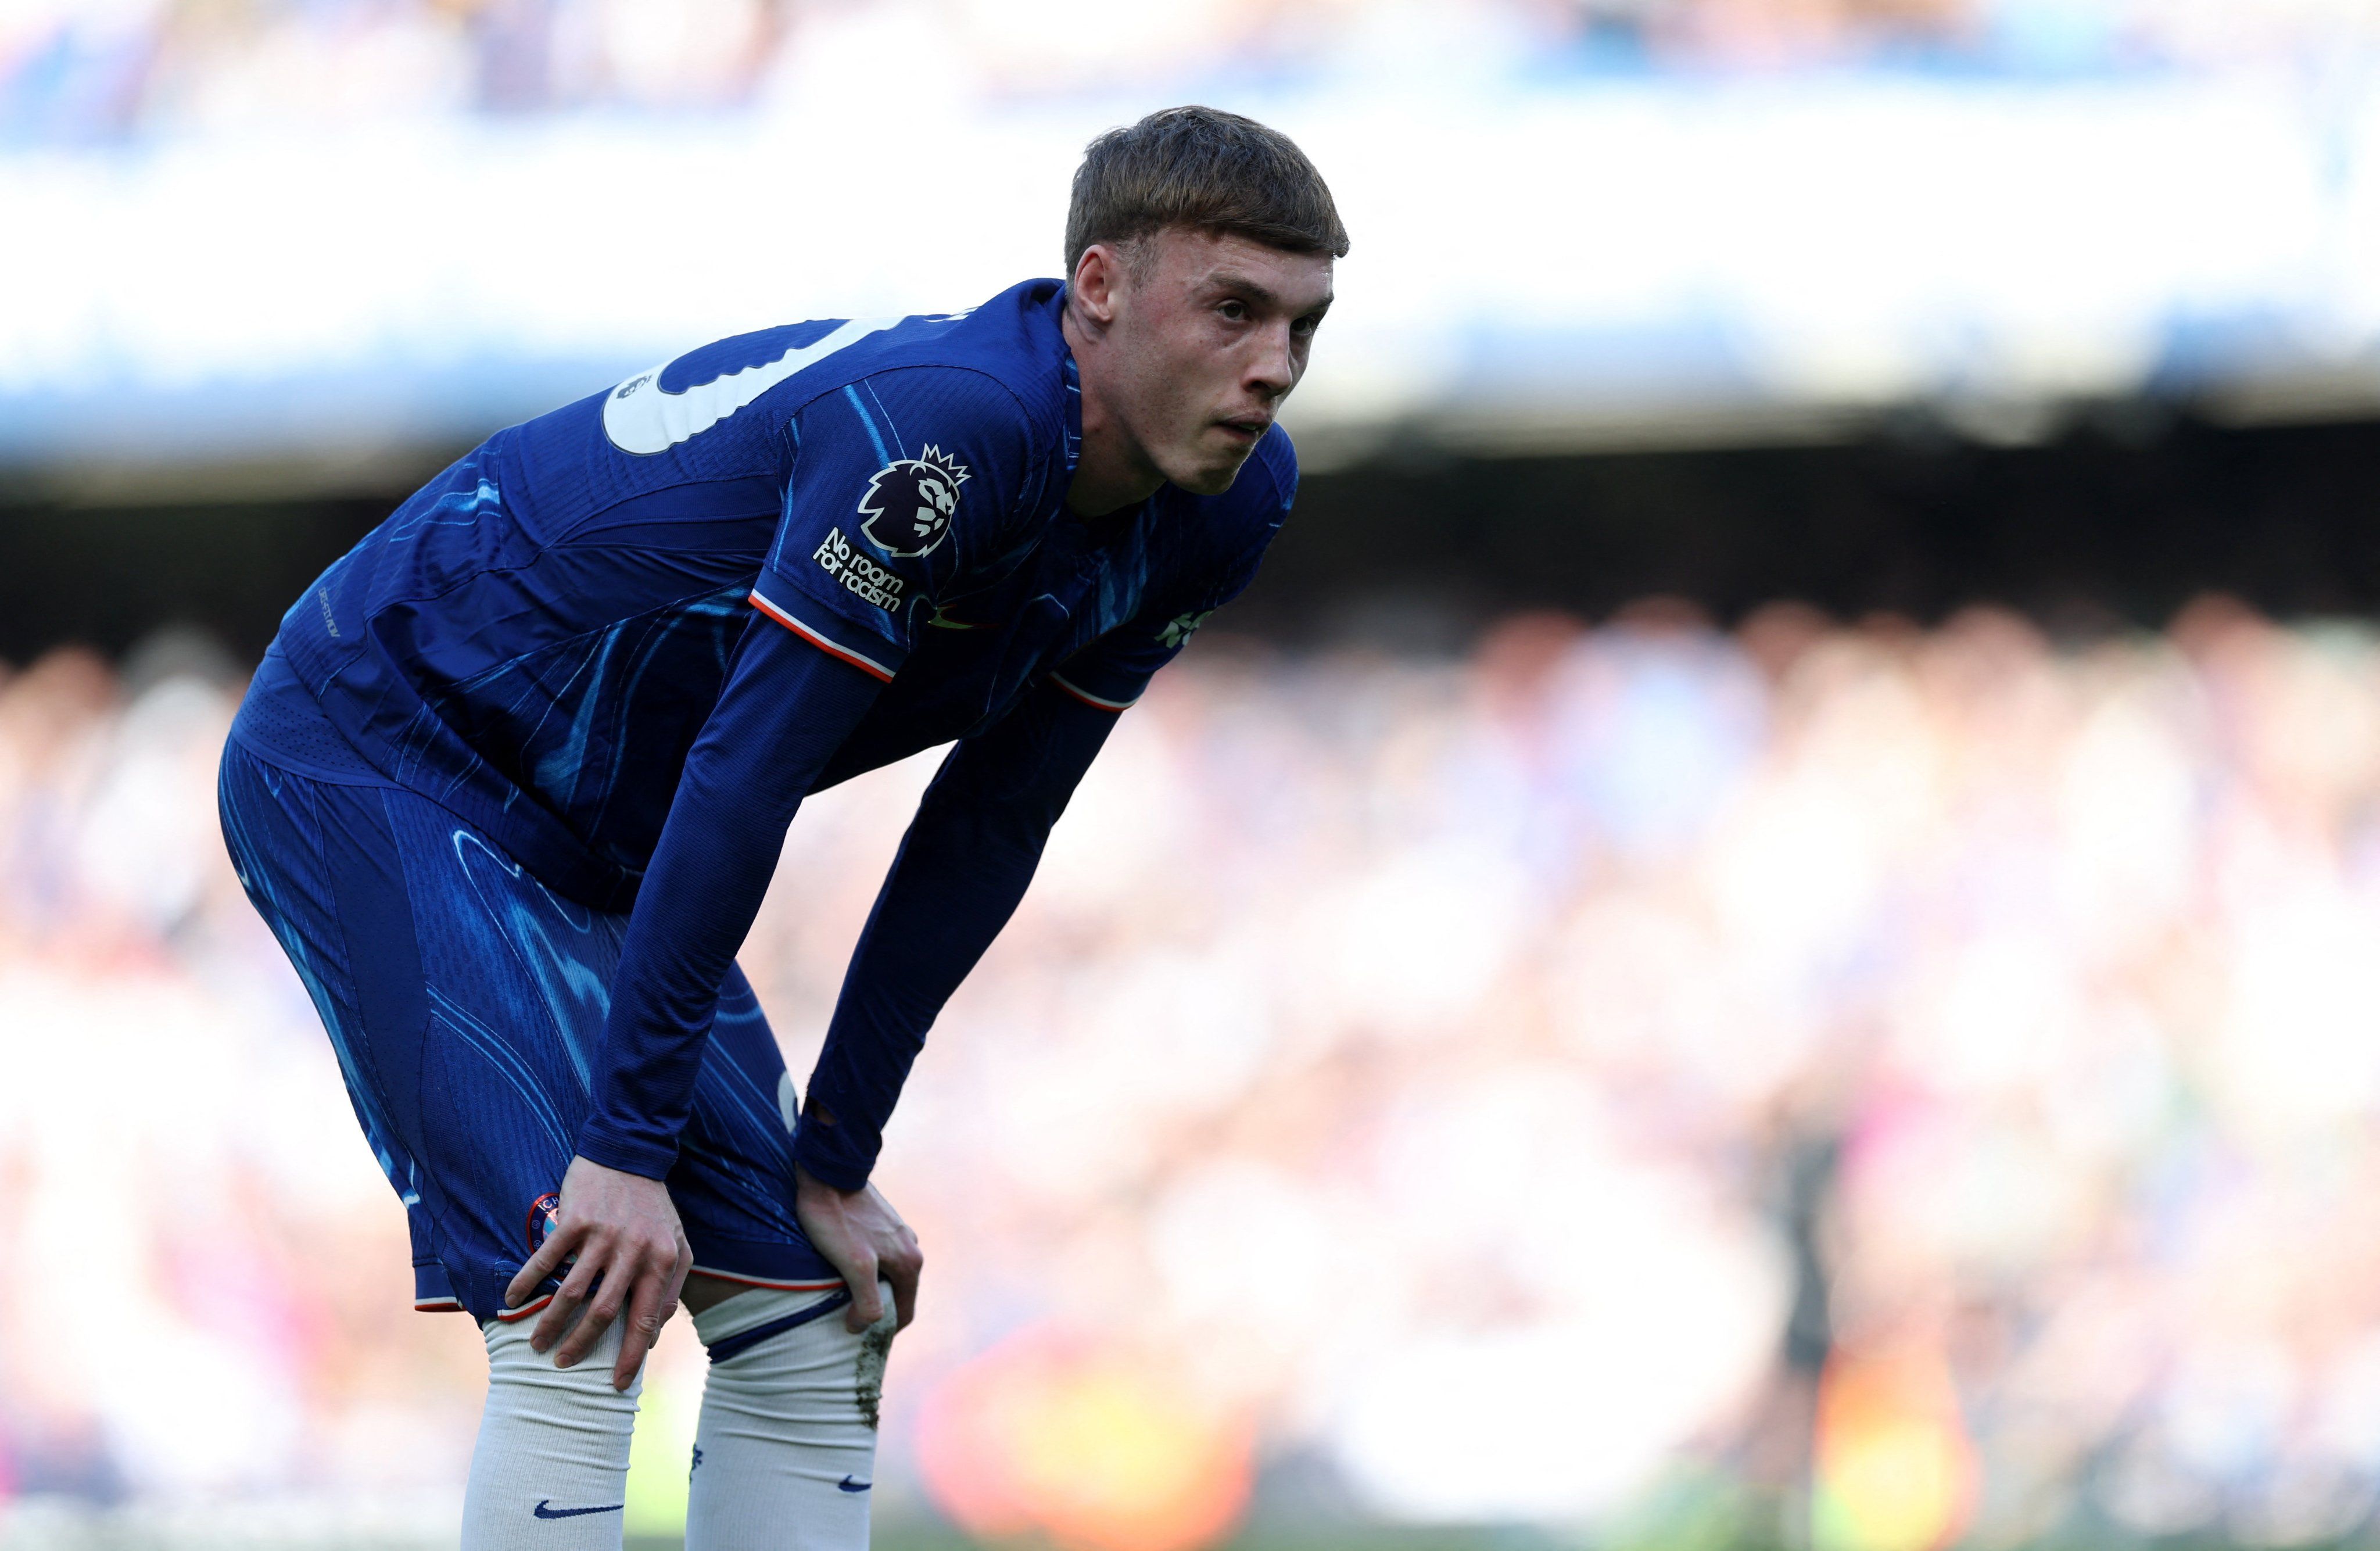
x,y
643,418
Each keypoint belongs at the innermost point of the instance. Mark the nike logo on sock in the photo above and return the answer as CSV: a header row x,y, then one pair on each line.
x,y
847,1484
543,1511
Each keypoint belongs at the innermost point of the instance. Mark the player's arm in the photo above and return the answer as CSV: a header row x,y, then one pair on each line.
x,y
962,869
978,838
961,872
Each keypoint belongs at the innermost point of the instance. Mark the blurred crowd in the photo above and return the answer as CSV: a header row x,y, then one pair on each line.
x,y
1918,1082
78,71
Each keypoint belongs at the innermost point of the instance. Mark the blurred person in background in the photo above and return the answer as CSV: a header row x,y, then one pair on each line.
x,y
514,777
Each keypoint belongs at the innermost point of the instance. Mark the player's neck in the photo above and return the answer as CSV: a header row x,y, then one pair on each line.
x,y
1112,472
1107,479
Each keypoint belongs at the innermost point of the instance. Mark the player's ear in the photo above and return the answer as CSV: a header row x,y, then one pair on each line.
x,y
1098,276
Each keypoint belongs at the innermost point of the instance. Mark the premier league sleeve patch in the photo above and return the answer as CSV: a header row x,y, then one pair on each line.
x,y
910,502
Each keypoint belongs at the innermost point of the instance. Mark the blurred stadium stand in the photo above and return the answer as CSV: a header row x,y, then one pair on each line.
x,y
1759,933
2118,522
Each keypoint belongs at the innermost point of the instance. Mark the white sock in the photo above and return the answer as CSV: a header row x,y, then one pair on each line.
x,y
784,1455
550,1469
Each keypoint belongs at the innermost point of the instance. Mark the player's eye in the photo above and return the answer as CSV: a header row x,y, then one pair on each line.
x,y
1236,312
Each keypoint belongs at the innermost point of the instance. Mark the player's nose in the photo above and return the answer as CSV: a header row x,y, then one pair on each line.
x,y
1273,370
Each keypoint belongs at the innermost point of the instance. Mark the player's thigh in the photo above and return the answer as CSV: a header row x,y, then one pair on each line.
x,y
305,850
466,1001
516,984
734,1182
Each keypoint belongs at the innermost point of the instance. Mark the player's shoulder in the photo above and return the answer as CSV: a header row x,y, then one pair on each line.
x,y
1002,364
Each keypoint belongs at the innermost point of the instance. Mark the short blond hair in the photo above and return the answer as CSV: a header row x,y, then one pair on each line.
x,y
1206,168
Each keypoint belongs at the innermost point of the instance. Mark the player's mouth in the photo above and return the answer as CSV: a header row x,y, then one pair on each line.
x,y
1246,428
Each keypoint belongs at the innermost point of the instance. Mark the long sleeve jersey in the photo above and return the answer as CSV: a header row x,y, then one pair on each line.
x,y
627,637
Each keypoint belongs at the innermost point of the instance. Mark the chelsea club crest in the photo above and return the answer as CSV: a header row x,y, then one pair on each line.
x,y
910,502
543,1213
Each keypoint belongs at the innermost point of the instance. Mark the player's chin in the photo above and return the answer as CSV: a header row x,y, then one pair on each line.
x,y
1212,471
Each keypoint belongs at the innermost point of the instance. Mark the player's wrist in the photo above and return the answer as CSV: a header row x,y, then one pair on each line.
x,y
834,1177
828,1152
608,1147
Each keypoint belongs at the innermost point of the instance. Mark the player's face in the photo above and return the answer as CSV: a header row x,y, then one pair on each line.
x,y
1210,331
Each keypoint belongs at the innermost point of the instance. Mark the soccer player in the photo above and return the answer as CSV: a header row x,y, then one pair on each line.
x,y
515,775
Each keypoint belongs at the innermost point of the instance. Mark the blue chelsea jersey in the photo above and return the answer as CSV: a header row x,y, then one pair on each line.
x,y
536,637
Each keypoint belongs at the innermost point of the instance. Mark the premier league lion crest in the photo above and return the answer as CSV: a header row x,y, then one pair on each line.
x,y
910,502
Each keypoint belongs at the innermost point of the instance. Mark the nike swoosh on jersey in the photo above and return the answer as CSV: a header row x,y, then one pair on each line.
x,y
542,1511
847,1484
640,418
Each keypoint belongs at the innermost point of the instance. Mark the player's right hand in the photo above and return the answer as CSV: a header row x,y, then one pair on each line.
x,y
862,1237
631,1253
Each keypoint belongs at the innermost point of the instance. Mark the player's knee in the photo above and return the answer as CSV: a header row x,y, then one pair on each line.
x,y
785,1447
788,1357
515,1365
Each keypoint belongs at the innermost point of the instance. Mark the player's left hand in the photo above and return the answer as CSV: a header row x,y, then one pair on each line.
x,y
864,1238
632,1254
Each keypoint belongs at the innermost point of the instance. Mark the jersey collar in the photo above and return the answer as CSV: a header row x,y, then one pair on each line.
x,y
1072,383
